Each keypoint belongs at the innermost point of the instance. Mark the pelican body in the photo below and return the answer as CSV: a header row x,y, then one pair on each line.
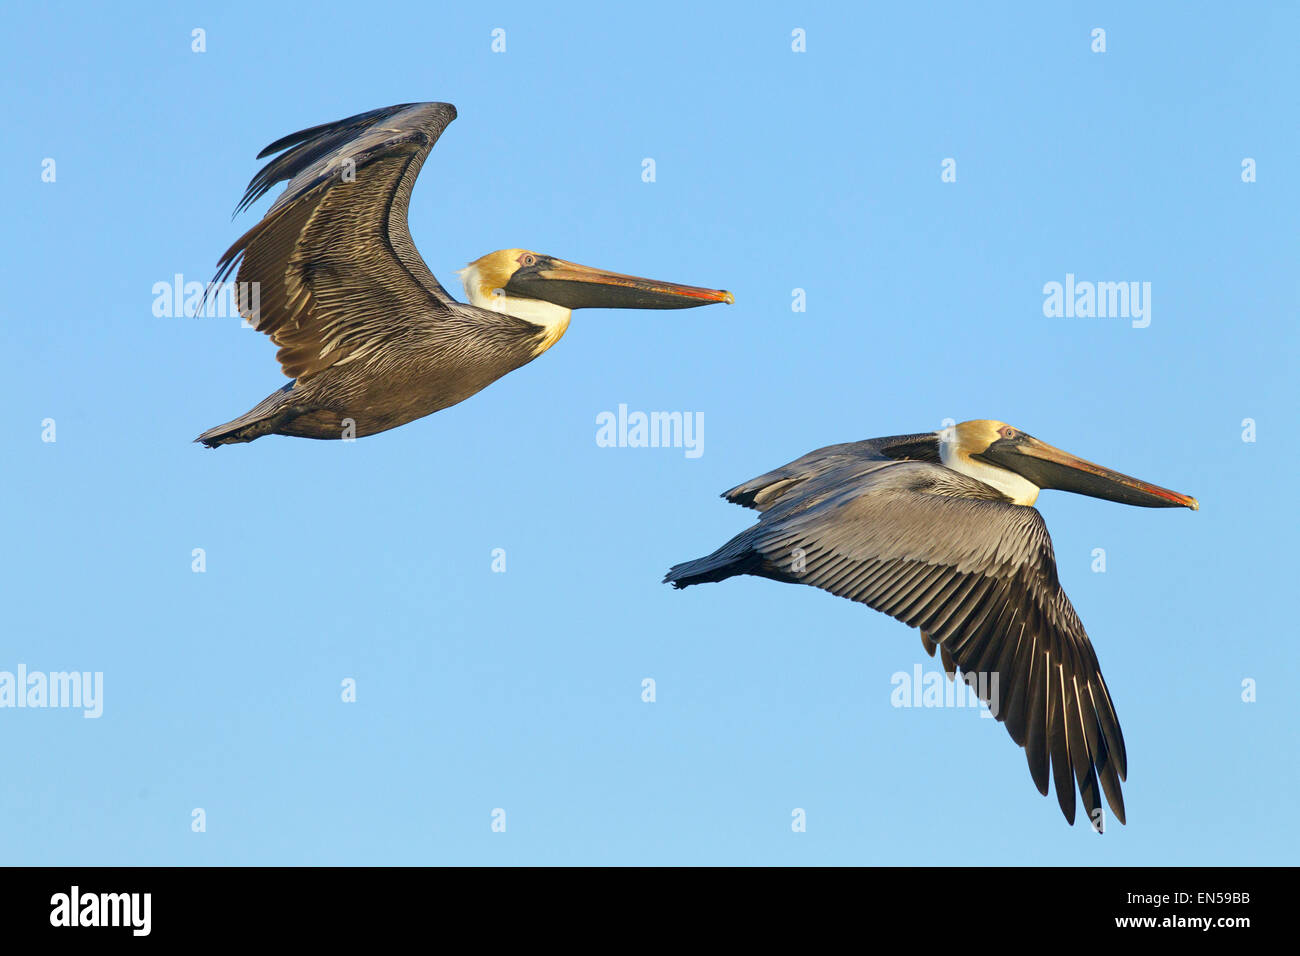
x,y
938,530
368,336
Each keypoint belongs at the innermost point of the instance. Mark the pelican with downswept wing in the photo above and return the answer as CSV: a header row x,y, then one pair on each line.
x,y
938,530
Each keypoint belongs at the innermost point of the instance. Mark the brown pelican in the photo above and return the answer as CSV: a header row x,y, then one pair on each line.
x,y
369,337
937,530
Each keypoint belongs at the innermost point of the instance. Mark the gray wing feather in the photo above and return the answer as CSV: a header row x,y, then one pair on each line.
x,y
845,461
976,574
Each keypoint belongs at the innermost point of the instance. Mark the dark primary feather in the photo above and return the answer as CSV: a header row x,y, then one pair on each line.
x,y
319,141
951,556
337,274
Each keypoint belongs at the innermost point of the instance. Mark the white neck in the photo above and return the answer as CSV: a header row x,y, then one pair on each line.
x,y
1020,490
553,318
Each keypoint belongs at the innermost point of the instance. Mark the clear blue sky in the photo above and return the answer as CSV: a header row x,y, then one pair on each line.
x,y
775,170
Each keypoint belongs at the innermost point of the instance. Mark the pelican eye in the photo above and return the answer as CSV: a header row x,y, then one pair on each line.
x,y
527,259
1008,433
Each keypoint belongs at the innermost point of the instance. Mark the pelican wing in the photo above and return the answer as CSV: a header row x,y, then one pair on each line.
x,y
844,461
335,273
976,574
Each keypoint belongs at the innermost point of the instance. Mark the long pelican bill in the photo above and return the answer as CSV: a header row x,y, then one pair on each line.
x,y
575,286
1049,467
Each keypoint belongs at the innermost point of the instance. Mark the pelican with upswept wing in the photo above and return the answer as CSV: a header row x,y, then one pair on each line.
x,y
368,336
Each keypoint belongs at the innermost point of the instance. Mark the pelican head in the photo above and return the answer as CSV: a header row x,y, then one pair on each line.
x,y
1020,465
514,280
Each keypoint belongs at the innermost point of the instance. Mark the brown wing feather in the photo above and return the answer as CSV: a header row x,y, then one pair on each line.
x,y
337,275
